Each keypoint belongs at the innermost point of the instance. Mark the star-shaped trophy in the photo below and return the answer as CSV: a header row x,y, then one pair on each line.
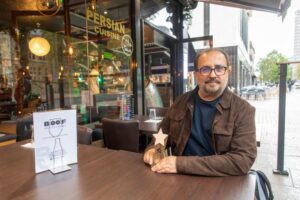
x,y
160,146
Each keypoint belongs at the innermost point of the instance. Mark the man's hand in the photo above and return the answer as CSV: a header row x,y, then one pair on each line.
x,y
148,156
166,165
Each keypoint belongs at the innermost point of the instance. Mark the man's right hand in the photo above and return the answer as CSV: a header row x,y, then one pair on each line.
x,y
148,156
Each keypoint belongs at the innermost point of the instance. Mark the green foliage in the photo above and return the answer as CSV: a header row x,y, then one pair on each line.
x,y
298,72
269,70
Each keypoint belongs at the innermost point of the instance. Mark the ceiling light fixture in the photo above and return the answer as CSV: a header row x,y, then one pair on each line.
x,y
38,45
93,4
49,5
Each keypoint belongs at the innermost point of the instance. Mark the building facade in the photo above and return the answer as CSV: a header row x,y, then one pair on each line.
x,y
229,33
297,36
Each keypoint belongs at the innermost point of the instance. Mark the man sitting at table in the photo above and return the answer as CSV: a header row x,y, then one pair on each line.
x,y
211,128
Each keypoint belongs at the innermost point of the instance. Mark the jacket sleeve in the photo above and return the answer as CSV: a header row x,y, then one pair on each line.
x,y
237,161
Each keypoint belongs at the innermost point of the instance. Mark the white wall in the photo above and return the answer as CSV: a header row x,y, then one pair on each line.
x,y
225,25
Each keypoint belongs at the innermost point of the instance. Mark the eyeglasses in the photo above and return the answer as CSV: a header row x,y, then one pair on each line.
x,y
206,70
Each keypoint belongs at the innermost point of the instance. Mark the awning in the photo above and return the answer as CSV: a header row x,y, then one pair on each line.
x,y
276,6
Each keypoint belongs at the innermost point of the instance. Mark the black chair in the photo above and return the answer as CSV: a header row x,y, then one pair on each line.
x,y
92,114
23,128
160,111
108,112
120,134
84,135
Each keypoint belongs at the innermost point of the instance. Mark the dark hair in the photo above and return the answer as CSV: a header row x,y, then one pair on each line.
x,y
200,53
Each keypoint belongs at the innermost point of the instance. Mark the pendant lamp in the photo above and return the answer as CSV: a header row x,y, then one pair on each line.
x,y
39,46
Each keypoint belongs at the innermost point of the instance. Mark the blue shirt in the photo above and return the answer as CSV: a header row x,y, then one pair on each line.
x,y
199,143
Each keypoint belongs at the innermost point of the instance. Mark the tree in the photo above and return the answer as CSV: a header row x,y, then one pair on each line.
x,y
269,69
298,72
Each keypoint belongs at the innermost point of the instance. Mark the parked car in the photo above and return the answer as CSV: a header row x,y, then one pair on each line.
x,y
247,92
253,91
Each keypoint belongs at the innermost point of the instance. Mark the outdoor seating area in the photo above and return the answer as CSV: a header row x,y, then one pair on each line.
x,y
154,99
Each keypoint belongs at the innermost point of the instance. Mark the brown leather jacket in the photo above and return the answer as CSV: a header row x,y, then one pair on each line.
x,y
233,136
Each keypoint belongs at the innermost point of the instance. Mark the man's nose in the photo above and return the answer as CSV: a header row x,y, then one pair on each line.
x,y
213,73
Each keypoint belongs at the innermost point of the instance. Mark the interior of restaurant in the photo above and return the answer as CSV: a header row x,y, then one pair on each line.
x,y
87,55
103,58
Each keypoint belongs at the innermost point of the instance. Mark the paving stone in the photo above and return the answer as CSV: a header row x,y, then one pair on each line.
x,y
284,187
285,192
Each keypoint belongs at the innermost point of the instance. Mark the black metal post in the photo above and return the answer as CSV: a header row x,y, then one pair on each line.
x,y
61,93
177,21
137,67
49,96
281,121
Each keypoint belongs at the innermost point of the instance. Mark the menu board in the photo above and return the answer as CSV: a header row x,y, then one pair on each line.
x,y
55,139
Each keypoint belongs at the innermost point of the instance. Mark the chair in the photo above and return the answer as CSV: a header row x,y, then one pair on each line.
x,y
4,117
92,114
121,135
108,111
23,128
160,111
84,135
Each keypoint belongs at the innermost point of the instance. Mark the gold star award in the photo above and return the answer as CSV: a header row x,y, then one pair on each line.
x,y
160,146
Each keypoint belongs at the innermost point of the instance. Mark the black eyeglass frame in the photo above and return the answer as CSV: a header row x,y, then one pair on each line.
x,y
216,67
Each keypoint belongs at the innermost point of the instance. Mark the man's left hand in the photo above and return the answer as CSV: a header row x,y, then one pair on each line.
x,y
166,165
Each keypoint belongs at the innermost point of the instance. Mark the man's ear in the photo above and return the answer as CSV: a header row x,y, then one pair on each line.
x,y
229,68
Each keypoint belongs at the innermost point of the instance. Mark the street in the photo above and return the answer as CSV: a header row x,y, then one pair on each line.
x,y
284,187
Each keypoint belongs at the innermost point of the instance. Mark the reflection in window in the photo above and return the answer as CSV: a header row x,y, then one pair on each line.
x,y
163,20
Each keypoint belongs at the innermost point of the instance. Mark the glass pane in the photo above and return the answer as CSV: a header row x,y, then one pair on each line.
x,y
195,23
31,58
101,64
190,51
86,70
162,20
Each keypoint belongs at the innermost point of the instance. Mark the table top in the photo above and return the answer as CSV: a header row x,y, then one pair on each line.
x,y
106,174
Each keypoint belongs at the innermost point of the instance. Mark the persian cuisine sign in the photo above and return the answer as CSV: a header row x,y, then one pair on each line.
x,y
107,27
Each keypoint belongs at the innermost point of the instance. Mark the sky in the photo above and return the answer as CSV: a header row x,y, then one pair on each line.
x,y
267,32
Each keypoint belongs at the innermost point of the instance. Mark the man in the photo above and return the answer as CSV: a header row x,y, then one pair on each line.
x,y
211,128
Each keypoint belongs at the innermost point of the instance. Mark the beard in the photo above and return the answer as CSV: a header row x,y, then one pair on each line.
x,y
213,87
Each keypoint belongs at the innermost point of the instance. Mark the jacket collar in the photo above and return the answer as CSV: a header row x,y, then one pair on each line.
x,y
224,101
226,98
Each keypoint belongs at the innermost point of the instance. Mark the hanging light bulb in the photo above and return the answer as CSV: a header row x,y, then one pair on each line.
x,y
38,45
70,50
93,4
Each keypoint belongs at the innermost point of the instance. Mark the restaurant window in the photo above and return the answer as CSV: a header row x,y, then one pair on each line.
x,y
100,65
163,19
89,67
159,47
24,69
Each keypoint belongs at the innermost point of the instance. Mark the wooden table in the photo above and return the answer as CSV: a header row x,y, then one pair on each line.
x,y
108,174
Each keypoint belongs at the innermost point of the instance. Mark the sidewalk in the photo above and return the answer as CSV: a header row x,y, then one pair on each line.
x,y
284,187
